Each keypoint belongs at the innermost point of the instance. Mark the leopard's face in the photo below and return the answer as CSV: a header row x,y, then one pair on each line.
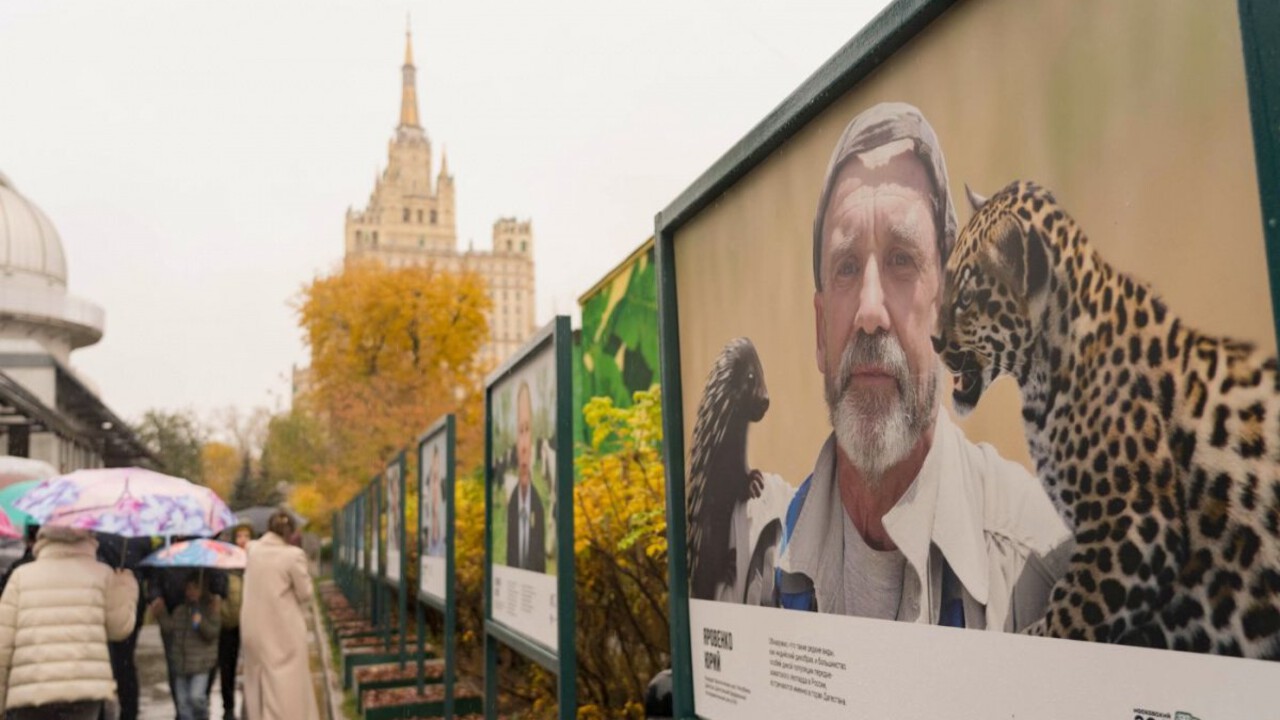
x,y
992,282
973,338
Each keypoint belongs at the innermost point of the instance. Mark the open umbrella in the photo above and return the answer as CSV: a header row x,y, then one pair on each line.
x,y
11,495
199,553
258,516
7,530
130,502
126,552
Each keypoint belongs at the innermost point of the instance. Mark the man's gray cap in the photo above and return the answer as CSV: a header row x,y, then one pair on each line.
x,y
880,125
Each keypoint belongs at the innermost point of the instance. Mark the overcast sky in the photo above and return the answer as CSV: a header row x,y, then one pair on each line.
x,y
198,158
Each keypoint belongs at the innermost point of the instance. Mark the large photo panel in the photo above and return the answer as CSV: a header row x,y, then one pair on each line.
x,y
393,489
353,537
364,525
379,517
988,343
435,488
523,429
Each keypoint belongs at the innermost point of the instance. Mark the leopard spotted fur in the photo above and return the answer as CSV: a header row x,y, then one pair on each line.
x,y
1158,444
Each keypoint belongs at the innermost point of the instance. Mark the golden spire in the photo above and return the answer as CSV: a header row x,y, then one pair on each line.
x,y
408,41
408,93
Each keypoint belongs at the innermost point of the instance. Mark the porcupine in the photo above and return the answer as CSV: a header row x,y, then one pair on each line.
x,y
719,477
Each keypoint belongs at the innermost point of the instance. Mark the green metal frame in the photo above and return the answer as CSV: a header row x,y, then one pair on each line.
x,y
1260,36
348,546
350,572
335,544
877,42
362,572
449,606
377,574
564,662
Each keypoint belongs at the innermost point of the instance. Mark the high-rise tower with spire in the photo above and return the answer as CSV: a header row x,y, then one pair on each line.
x,y
410,220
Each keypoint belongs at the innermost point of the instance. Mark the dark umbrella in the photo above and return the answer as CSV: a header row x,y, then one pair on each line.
x,y
122,552
258,516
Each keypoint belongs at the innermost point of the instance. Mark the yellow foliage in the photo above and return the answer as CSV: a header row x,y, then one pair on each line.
x,y
468,531
219,466
392,350
620,545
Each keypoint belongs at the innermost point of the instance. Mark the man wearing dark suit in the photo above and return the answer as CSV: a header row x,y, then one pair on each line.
x,y
526,539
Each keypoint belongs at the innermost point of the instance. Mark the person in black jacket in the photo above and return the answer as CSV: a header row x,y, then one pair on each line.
x,y
119,552
229,640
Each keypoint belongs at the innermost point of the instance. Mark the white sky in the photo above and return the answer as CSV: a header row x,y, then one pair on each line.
x,y
198,158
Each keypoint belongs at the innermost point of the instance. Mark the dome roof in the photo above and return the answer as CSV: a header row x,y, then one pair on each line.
x,y
30,248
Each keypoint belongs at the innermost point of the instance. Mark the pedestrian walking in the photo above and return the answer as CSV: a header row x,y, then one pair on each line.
x,y
193,627
126,553
59,611
229,640
166,584
277,590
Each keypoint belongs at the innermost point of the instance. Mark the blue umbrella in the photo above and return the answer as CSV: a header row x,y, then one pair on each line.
x,y
201,553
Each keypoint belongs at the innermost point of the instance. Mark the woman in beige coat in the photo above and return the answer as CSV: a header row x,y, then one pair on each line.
x,y
56,615
273,628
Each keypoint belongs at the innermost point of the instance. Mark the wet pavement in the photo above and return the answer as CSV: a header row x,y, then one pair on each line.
x,y
155,702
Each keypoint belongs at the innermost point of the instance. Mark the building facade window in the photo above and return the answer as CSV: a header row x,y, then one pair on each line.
x,y
422,241
419,217
524,246
433,217
406,214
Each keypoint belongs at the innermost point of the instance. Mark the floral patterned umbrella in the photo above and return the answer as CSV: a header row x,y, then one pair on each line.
x,y
130,502
10,495
202,553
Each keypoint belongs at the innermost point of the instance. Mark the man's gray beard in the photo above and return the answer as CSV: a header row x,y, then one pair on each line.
x,y
877,431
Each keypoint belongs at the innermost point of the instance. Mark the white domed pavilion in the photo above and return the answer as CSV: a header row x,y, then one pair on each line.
x,y
33,281
47,412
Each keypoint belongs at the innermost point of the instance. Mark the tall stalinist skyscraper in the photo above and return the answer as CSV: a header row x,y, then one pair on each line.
x,y
410,220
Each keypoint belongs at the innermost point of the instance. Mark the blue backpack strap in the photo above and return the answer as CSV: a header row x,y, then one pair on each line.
x,y
794,591
793,510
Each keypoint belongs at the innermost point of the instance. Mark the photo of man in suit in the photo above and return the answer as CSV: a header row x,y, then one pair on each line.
x,y
526,535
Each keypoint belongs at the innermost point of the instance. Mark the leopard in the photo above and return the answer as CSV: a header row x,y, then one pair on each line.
x,y
1158,444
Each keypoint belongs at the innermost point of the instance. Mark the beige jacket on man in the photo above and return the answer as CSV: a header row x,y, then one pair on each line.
x,y
56,616
986,517
273,633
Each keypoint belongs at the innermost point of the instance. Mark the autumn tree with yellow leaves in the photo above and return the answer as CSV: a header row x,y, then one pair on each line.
x,y
392,350
219,463
620,548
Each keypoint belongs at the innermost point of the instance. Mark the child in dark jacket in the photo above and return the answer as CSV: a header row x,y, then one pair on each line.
x,y
193,627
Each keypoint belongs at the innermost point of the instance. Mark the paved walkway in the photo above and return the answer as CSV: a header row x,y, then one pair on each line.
x,y
155,702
